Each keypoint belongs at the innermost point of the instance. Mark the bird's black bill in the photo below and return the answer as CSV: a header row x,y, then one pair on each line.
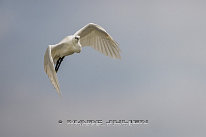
x,y
59,61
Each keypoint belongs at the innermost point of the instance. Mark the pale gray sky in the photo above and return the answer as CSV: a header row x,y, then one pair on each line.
x,y
161,77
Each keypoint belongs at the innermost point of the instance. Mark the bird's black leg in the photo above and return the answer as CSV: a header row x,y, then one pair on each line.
x,y
59,61
57,65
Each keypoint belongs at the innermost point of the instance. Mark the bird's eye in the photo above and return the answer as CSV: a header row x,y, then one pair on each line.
x,y
76,38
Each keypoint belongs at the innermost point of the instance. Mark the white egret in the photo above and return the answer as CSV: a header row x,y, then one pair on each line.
x,y
90,35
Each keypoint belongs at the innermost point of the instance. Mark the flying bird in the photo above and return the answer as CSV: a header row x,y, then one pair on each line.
x,y
90,35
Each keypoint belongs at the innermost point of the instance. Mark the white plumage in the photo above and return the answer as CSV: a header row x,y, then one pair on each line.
x,y
90,35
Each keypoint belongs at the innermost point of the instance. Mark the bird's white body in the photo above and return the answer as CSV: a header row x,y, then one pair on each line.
x,y
66,47
90,35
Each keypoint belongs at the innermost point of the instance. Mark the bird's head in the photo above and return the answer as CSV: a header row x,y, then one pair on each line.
x,y
77,38
76,41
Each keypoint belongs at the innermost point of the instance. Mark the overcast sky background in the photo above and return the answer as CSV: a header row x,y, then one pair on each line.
x,y
161,77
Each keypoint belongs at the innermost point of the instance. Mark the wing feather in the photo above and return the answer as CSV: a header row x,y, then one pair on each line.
x,y
49,69
101,45
103,48
106,49
110,49
98,43
95,36
114,50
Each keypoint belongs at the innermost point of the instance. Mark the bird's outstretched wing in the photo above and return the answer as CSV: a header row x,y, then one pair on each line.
x,y
95,36
49,69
